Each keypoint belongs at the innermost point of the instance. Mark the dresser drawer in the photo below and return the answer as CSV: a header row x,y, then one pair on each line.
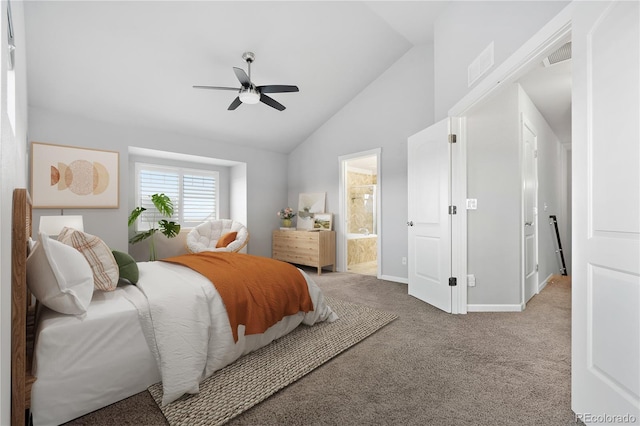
x,y
298,258
297,236
296,245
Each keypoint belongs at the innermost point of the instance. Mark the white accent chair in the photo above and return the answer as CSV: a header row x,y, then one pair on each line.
x,y
205,236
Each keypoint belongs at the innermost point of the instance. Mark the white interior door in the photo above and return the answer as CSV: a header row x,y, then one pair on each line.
x,y
429,222
606,212
530,209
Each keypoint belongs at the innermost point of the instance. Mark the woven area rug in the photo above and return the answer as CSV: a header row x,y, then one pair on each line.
x,y
258,375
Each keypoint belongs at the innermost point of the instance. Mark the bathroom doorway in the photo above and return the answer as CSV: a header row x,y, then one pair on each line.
x,y
360,183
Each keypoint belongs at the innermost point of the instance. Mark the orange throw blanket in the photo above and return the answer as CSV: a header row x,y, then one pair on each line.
x,y
257,291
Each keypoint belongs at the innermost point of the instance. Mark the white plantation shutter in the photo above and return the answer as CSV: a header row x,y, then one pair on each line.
x,y
193,194
152,181
199,198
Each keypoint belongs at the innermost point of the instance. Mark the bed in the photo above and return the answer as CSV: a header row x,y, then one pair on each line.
x,y
173,326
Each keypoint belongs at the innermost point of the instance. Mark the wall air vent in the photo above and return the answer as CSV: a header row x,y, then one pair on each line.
x,y
480,65
559,55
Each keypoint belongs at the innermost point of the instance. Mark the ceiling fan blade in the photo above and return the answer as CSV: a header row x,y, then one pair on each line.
x,y
277,88
216,88
271,102
242,76
235,104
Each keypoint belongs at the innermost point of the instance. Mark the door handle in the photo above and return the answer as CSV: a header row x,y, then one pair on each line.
x,y
410,223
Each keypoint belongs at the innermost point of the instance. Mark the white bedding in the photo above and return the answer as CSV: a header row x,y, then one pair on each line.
x,y
179,333
83,364
188,329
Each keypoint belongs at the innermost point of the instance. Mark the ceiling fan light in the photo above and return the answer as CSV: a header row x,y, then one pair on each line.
x,y
249,96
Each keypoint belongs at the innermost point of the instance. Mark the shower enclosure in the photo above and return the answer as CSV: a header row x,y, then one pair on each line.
x,y
361,211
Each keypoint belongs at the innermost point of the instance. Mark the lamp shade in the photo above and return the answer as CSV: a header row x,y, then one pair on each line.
x,y
52,225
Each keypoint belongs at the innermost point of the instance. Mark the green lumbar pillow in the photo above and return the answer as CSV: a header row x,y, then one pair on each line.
x,y
127,266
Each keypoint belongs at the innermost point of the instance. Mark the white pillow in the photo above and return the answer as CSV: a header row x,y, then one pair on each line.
x,y
98,254
59,276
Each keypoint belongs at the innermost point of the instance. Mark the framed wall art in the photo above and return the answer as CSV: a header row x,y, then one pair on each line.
x,y
322,221
311,202
72,177
308,205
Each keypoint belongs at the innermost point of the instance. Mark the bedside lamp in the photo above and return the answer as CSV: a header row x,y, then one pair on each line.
x,y
52,225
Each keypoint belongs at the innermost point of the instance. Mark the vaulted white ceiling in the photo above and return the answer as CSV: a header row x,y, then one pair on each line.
x,y
134,63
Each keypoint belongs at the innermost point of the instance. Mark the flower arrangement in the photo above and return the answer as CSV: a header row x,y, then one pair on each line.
x,y
286,213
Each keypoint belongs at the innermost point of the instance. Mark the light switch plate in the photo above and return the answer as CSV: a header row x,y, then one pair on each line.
x,y
472,203
471,280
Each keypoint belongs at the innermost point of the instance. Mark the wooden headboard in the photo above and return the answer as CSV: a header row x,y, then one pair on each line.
x,y
22,309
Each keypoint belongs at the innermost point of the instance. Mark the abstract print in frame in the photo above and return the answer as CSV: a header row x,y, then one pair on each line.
x,y
71,177
308,205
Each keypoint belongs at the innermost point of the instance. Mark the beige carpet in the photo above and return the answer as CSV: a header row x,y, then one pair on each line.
x,y
258,375
425,368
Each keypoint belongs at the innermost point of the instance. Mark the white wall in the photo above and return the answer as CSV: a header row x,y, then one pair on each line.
x,y
396,105
266,171
13,165
465,28
494,177
238,187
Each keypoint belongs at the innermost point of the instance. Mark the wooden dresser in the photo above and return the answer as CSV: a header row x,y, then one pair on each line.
x,y
310,248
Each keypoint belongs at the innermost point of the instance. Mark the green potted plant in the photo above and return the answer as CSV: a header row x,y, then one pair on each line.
x,y
170,229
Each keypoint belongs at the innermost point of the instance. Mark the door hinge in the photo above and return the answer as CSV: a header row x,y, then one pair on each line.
x,y
537,267
453,210
535,154
452,138
453,281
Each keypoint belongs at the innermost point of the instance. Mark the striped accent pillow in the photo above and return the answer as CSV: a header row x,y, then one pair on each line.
x,y
98,254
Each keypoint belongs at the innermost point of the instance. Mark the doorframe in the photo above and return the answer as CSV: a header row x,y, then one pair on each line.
x,y
341,229
458,188
551,36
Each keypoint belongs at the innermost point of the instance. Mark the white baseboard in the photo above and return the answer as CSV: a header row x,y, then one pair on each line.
x,y
544,283
495,308
394,279
505,308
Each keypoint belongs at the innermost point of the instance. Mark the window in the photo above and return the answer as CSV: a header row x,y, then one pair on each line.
x,y
193,193
11,72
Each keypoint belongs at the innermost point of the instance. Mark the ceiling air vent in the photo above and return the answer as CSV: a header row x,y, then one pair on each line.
x,y
559,55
